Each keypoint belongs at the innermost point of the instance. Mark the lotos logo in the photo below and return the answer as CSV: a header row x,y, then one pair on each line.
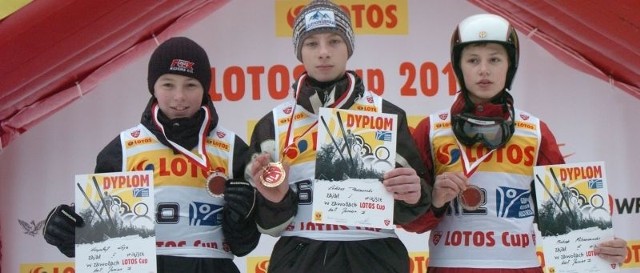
x,y
261,267
143,166
291,15
220,134
47,268
446,155
367,17
135,142
292,152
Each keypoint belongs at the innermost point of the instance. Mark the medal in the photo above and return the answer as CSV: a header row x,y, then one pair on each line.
x,y
216,179
273,175
216,183
471,198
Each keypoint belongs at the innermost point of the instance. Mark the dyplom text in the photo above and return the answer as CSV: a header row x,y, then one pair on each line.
x,y
120,181
259,82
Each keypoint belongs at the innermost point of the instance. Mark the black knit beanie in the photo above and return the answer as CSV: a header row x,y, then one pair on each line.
x,y
181,56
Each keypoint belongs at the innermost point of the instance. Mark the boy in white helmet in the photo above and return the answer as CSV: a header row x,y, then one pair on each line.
x,y
323,42
467,230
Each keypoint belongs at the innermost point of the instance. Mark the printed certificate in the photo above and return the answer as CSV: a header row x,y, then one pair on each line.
x,y
119,231
573,216
355,149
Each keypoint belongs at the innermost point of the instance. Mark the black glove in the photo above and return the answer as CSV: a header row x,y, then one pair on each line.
x,y
60,229
240,199
238,225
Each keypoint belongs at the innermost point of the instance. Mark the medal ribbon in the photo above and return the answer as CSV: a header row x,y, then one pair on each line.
x,y
469,169
201,160
290,138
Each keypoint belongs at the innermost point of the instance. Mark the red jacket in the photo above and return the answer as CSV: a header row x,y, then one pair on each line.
x,y
549,154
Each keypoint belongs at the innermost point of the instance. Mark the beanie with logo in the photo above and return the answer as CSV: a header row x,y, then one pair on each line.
x,y
180,56
322,16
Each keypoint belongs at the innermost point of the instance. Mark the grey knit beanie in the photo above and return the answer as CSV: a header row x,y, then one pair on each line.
x,y
322,16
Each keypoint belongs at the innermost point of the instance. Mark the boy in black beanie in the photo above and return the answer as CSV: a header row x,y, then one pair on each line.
x,y
181,123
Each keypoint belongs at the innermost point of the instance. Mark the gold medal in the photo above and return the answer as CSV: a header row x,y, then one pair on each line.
x,y
273,175
215,184
471,198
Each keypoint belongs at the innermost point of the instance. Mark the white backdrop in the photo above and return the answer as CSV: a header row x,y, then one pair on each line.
x,y
592,120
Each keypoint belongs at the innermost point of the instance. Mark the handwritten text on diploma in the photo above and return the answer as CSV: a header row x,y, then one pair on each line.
x,y
362,202
572,252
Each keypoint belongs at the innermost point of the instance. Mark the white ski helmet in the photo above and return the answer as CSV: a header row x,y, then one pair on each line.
x,y
485,28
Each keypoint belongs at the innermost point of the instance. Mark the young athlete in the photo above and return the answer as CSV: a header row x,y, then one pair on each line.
x,y
466,148
323,41
181,123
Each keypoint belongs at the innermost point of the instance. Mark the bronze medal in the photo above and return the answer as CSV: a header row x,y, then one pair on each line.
x,y
215,184
471,198
273,175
